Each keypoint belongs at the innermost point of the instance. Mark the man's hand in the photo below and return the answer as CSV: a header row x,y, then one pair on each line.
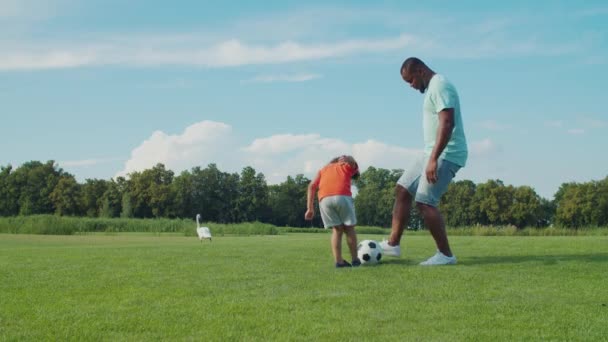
x,y
431,171
309,214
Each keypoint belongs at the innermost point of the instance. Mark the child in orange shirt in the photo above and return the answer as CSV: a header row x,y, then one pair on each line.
x,y
336,205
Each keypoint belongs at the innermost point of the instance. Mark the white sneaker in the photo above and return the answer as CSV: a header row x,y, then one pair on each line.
x,y
390,250
439,259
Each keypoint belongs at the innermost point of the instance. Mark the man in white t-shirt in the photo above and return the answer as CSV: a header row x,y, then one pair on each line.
x,y
445,152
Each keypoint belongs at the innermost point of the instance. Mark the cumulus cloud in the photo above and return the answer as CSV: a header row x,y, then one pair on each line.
x,y
276,156
378,154
199,144
181,51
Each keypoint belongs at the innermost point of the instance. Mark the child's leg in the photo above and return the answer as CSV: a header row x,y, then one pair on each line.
x,y
336,243
351,240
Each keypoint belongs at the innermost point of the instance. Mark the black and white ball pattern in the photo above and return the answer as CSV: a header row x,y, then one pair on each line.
x,y
369,252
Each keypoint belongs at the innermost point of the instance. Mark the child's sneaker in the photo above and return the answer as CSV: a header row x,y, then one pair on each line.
x,y
390,250
439,259
356,262
344,263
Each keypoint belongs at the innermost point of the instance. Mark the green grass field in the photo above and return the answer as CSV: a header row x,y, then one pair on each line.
x,y
284,287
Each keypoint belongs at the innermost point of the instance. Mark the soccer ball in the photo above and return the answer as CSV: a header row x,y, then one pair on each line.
x,y
369,252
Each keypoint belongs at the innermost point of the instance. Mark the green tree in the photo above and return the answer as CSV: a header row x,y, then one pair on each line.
x,y
183,199
92,196
214,194
65,197
288,202
602,202
569,207
456,204
34,182
583,204
9,194
547,213
151,191
491,202
375,196
126,205
525,210
161,195
252,202
111,199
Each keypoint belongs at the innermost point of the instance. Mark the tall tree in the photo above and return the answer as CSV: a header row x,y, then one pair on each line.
x,y
151,191
111,199
569,212
525,210
126,205
288,202
456,204
214,194
183,199
92,196
65,197
9,193
602,202
34,181
252,202
375,197
491,202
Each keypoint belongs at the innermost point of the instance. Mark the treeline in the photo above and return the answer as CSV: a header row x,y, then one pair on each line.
x,y
44,188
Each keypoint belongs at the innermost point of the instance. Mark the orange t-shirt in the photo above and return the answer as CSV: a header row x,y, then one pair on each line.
x,y
335,179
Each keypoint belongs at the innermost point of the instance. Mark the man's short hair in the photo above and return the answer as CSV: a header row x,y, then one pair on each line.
x,y
411,64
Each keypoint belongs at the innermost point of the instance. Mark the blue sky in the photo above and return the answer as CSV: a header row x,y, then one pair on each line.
x,y
108,87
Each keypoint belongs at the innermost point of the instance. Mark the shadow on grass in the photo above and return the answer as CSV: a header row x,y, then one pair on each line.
x,y
544,259
402,261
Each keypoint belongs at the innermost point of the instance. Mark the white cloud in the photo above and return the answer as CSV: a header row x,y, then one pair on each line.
x,y
276,156
281,155
179,51
283,78
484,147
200,144
308,33
378,154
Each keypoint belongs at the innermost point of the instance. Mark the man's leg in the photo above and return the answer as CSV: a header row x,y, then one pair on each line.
x,y
427,200
433,221
401,214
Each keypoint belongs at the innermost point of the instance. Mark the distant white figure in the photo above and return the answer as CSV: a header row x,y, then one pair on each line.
x,y
203,232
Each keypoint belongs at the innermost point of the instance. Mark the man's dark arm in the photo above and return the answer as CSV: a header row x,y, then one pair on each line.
x,y
444,132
